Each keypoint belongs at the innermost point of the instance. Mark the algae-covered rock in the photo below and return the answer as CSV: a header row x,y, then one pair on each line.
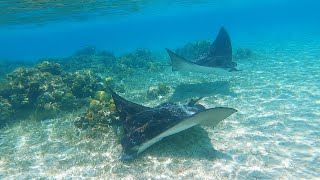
x,y
112,106
6,111
108,80
94,104
84,83
88,58
47,90
32,87
55,85
50,67
141,59
69,101
7,66
157,91
102,96
138,59
105,62
194,51
22,86
99,113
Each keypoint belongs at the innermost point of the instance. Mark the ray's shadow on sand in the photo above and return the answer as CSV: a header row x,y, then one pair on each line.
x,y
193,143
186,91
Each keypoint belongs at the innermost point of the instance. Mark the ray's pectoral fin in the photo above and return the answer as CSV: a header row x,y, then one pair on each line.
x,y
178,62
212,117
144,126
209,117
125,107
181,64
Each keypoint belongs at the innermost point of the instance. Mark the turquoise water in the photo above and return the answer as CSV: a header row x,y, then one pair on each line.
x,y
274,135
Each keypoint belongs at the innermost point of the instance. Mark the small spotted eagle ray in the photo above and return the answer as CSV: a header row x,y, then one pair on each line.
x,y
218,57
145,126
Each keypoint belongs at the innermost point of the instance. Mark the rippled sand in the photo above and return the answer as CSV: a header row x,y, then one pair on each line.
x,y
275,133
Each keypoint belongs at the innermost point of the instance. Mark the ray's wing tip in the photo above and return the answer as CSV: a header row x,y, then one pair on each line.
x,y
228,108
223,29
233,109
169,51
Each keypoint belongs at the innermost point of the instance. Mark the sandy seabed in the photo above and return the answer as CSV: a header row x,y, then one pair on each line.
x,y
274,135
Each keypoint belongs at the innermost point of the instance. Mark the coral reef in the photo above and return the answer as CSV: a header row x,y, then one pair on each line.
x,y
6,111
138,59
28,87
87,58
46,89
157,91
52,68
141,59
83,83
193,51
102,96
106,62
7,66
101,112
243,53
56,85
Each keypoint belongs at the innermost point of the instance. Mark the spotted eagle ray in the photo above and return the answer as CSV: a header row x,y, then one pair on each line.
x,y
219,56
145,126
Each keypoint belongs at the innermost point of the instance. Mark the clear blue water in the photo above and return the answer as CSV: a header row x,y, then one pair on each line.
x,y
162,25
274,135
